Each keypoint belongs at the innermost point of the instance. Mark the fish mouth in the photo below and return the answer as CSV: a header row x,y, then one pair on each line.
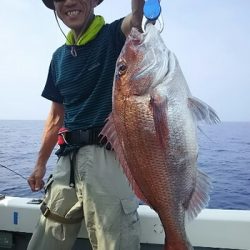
x,y
146,53
136,36
140,43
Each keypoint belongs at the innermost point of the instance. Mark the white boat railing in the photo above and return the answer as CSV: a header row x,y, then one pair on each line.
x,y
213,228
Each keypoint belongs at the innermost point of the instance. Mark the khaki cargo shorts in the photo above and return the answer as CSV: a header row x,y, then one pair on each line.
x,y
102,197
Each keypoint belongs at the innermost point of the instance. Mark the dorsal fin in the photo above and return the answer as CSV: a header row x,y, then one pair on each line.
x,y
109,132
202,111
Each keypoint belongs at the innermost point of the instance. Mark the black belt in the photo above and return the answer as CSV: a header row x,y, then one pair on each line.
x,y
82,137
76,139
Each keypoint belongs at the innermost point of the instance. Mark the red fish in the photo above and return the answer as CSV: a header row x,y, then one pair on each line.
x,y
152,129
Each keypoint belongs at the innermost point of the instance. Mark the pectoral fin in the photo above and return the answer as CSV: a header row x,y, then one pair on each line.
x,y
159,105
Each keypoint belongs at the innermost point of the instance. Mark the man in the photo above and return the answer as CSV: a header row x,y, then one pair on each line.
x,y
87,181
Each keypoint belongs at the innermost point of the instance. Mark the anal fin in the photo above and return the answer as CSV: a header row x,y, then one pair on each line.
x,y
200,195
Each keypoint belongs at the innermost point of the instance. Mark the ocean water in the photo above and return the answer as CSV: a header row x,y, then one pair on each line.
x,y
224,155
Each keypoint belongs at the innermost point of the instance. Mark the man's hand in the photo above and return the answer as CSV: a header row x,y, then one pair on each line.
x,y
135,18
36,179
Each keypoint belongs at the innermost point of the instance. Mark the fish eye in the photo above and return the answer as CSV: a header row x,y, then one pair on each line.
x,y
122,69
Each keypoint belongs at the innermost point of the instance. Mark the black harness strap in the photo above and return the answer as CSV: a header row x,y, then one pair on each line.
x,y
72,169
75,140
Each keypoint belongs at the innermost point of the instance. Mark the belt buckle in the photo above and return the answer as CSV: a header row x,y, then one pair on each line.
x,y
61,140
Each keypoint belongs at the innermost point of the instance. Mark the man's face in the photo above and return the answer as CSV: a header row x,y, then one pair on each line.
x,y
75,14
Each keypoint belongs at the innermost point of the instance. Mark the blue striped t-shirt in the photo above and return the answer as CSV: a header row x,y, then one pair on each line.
x,y
83,84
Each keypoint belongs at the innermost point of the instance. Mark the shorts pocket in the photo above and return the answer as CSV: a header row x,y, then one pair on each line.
x,y
65,211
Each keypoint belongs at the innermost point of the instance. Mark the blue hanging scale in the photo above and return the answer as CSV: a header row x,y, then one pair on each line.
x,y
152,10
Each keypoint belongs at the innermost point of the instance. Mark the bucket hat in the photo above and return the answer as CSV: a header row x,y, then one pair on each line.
x,y
50,4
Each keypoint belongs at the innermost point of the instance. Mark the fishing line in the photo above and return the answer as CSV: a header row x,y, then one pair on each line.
x,y
13,172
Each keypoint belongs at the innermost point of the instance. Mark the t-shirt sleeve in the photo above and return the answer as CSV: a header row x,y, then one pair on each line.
x,y
117,34
50,90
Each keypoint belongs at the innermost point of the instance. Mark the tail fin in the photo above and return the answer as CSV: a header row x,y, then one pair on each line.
x,y
178,245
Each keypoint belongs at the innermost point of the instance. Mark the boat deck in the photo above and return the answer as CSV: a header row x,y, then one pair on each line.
x,y
212,229
20,242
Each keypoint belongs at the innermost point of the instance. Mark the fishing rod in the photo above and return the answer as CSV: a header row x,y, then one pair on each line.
x,y
13,172
33,201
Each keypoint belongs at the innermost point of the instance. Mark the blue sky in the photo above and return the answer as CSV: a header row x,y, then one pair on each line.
x,y
210,38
